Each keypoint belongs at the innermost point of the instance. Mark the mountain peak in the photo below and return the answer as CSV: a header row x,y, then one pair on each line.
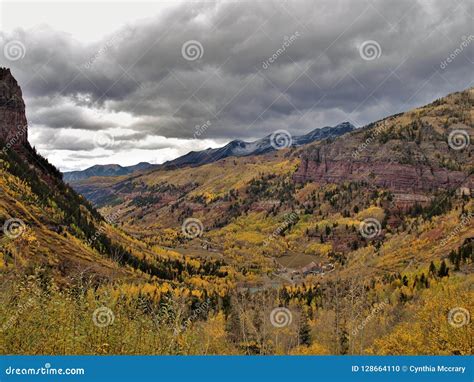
x,y
13,123
343,126
346,125
239,148
4,72
104,170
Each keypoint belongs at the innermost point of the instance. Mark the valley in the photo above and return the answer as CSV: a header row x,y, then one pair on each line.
x,y
327,230
329,187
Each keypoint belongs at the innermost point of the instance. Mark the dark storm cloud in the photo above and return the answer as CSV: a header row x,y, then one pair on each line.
x,y
67,116
84,140
318,77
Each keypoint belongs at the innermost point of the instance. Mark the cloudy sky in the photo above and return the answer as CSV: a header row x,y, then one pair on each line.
x,y
128,82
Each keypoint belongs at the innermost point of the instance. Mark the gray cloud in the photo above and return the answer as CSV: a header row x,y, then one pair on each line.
x,y
67,116
319,78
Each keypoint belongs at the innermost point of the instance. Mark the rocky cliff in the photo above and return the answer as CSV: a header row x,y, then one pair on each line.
x,y
425,150
13,123
397,177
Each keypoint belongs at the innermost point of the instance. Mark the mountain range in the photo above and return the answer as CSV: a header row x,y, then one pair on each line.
x,y
235,148
238,148
104,170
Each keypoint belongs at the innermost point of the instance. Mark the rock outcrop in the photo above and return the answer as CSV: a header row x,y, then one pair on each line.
x,y
410,154
13,123
397,177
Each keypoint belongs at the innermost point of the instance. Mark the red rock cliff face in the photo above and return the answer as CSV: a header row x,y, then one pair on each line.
x,y
13,123
403,178
411,159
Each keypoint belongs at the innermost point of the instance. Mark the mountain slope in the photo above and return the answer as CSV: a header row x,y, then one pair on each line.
x,y
426,149
408,154
194,260
63,231
238,148
104,170
391,174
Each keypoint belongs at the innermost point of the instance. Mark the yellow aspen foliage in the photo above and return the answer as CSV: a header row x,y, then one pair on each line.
x,y
313,349
440,325
318,249
372,212
165,287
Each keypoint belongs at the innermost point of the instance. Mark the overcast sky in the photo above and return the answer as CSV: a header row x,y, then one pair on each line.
x,y
128,82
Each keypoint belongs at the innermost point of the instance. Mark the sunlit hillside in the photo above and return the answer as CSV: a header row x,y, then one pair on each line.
x,y
310,250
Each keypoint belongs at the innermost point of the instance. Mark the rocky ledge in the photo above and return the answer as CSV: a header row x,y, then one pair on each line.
x,y
13,123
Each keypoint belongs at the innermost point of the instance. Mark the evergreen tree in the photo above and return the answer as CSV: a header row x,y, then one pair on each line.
x,y
344,341
304,331
405,280
443,270
328,230
452,257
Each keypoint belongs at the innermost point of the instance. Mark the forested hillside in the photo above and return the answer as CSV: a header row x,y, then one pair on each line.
x,y
361,244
